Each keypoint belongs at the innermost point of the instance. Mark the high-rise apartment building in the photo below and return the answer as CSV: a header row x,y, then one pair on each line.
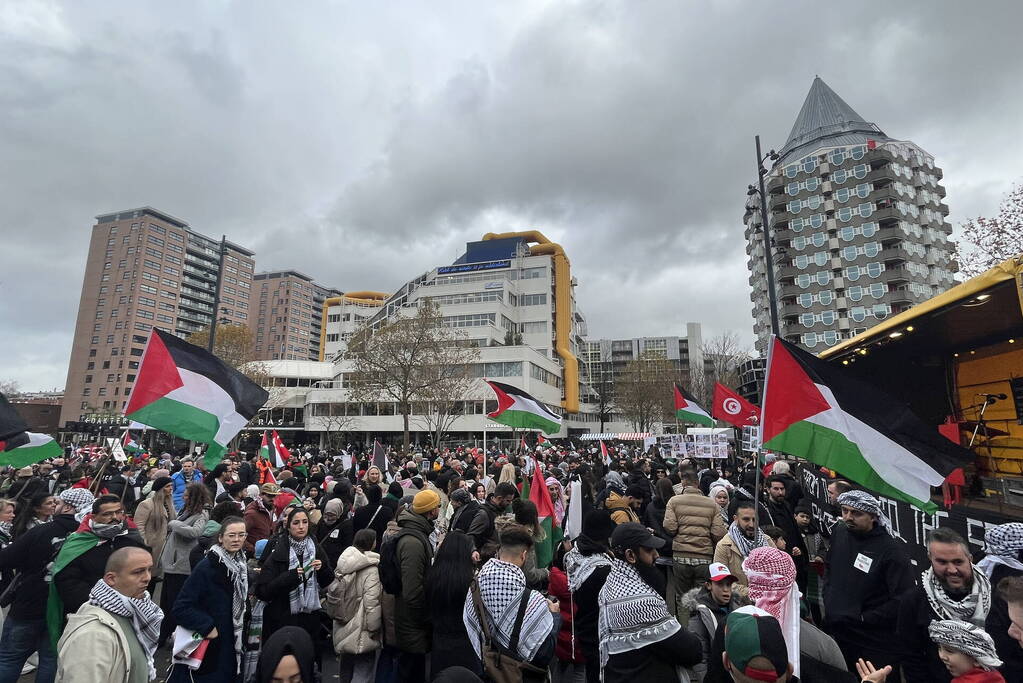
x,y
286,320
604,360
145,269
858,225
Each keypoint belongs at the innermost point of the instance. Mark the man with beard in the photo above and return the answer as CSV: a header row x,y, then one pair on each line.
x,y
82,560
867,570
639,639
951,588
587,566
783,517
743,536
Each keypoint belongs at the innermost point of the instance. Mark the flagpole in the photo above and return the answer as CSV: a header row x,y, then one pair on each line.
x,y
763,421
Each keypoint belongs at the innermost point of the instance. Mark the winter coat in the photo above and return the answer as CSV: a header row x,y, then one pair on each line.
x,y
152,518
587,613
93,649
411,617
29,555
204,603
258,526
568,648
473,520
178,479
182,538
998,623
696,522
621,511
704,616
353,601
76,579
363,515
978,675
653,518
728,554
920,653
336,538
276,582
654,662
206,540
862,607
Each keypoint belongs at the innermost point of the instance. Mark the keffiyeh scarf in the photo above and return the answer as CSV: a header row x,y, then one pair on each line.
x,y
1003,544
80,499
144,614
501,588
305,597
578,567
973,608
772,587
632,614
967,638
559,503
743,543
864,502
238,574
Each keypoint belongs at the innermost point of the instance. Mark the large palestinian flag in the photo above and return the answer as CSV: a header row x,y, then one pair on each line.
x,y
687,410
815,410
190,393
516,408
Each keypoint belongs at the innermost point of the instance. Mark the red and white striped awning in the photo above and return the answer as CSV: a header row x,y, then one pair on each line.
x,y
621,436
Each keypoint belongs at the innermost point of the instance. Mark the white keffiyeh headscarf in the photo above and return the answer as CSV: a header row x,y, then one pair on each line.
x,y
144,614
864,502
1002,544
967,638
973,608
632,614
501,588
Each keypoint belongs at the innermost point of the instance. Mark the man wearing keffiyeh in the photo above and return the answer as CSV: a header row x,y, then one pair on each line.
x,y
951,588
112,637
1004,547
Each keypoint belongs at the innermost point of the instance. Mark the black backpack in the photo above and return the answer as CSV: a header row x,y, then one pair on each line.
x,y
390,567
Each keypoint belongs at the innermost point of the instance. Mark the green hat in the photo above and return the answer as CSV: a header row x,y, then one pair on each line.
x,y
751,632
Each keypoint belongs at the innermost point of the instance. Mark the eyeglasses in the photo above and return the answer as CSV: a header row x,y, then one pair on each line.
x,y
846,213
237,537
866,229
858,172
814,221
838,156
810,184
862,191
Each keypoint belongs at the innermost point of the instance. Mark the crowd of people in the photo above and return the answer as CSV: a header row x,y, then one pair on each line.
x,y
427,569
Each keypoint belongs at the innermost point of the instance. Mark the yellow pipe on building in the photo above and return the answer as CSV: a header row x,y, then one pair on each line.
x,y
563,302
366,298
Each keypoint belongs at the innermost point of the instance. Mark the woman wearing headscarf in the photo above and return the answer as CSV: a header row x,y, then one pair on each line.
x,y
291,577
287,655
1004,558
335,531
558,499
213,602
184,534
152,517
719,494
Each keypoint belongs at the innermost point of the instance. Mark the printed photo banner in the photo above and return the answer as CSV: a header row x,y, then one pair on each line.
x,y
908,523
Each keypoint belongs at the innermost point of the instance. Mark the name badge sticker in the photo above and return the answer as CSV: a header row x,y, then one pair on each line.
x,y
862,562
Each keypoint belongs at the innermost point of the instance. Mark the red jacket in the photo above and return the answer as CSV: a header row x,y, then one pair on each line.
x,y
979,676
557,586
258,525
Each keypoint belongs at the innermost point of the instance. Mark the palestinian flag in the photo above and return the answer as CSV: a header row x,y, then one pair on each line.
x,y
536,491
541,440
516,408
281,455
264,448
686,409
190,393
34,448
815,410
130,445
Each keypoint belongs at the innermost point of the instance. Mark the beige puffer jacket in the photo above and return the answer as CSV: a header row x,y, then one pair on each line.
x,y
696,522
353,600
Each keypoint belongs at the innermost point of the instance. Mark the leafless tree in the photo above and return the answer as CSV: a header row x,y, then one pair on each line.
x,y
336,425
986,242
643,391
9,388
412,358
725,353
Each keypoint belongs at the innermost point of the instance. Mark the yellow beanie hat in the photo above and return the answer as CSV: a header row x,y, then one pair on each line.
x,y
424,501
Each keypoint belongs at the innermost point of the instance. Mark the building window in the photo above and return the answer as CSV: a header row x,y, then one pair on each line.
x,y
88,379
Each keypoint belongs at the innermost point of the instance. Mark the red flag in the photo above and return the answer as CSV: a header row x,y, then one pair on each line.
x,y
524,446
283,455
541,440
732,408
603,453
540,497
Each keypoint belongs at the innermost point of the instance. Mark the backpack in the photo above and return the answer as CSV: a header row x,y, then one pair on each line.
x,y
390,566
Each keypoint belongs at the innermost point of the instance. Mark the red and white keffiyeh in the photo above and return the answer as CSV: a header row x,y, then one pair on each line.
x,y
772,587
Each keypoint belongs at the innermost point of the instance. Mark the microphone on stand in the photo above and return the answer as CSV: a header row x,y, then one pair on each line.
x,y
991,398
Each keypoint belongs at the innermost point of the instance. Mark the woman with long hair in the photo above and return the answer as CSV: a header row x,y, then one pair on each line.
x,y
152,516
214,603
447,584
35,510
184,532
290,580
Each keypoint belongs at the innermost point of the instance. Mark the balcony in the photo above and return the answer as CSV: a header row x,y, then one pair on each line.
x,y
192,305
195,318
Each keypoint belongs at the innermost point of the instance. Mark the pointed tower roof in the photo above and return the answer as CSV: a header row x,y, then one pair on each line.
x,y
826,115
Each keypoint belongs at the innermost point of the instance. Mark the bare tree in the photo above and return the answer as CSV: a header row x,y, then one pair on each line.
x,y
643,391
453,383
409,359
603,391
336,425
986,242
725,353
9,388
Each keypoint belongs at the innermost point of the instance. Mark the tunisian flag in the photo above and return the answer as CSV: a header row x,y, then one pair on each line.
x,y
731,407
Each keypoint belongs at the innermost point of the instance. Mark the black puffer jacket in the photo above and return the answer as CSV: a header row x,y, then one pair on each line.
x,y
76,579
29,555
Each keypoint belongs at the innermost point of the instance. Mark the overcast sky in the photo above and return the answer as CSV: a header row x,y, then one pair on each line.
x,y
364,143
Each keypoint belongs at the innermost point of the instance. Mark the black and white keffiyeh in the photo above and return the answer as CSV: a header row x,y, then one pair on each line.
x,y
145,616
973,608
501,587
743,543
1003,544
238,574
967,638
306,597
578,567
864,502
632,614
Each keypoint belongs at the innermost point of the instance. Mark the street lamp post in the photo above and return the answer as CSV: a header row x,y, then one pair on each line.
x,y
764,225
